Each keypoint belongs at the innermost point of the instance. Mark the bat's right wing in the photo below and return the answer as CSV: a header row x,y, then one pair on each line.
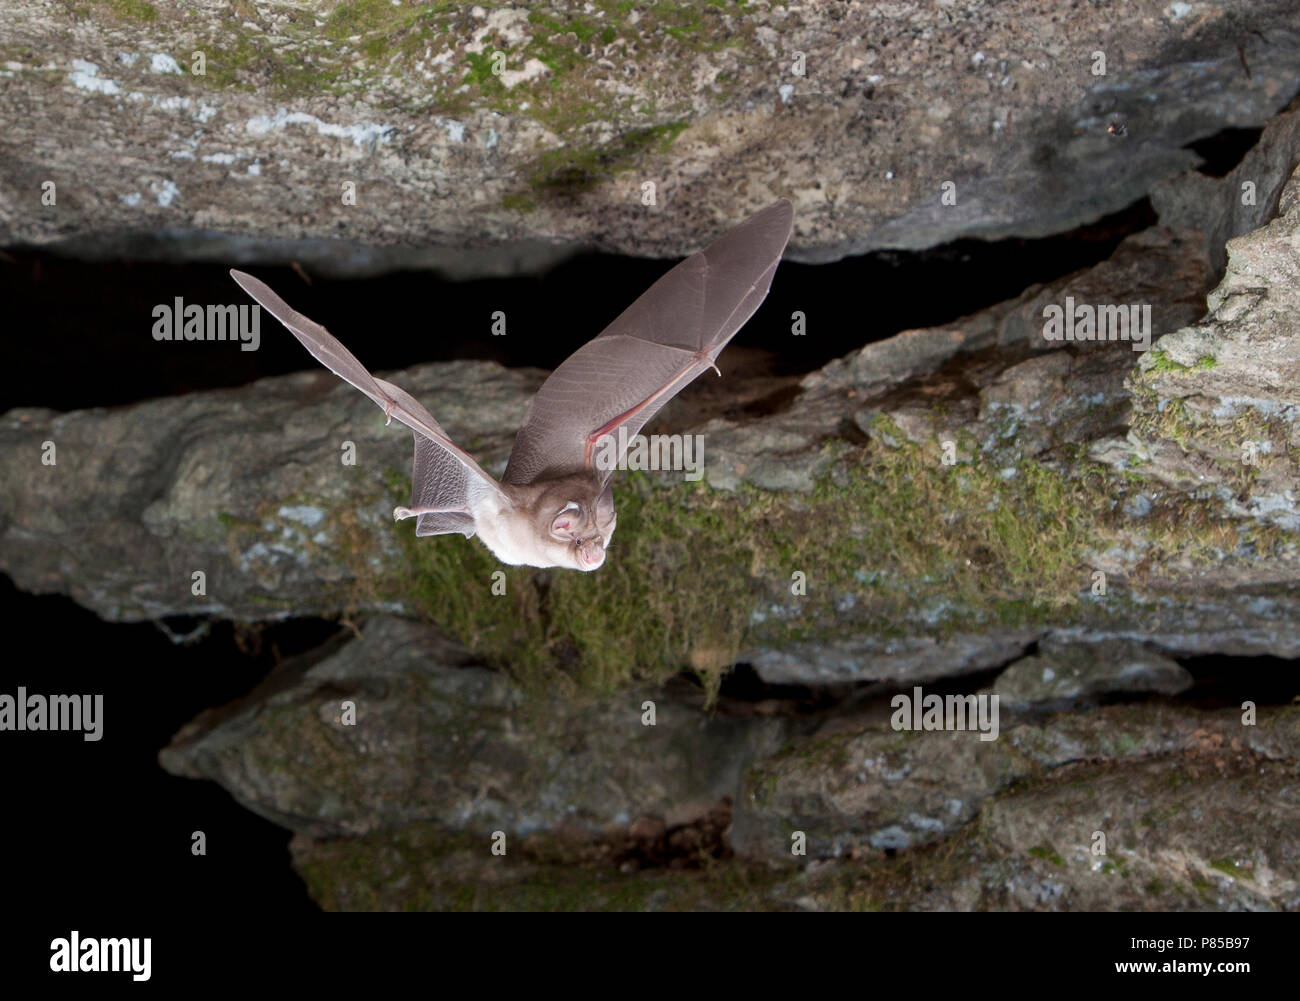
x,y
448,486
671,334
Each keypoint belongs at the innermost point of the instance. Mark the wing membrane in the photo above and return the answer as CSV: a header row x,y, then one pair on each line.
x,y
445,477
668,336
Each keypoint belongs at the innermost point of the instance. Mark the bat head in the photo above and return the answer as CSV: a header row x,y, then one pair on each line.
x,y
565,522
579,532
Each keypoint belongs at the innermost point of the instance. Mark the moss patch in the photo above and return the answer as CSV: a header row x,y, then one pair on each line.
x,y
572,170
1160,361
132,10
1048,854
891,543
695,574
894,543
457,872
1222,442
1229,868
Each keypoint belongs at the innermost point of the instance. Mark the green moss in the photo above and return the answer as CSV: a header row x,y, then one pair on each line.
x,y
1048,854
569,170
132,10
423,868
480,73
1220,443
244,60
378,20
364,44
1229,868
917,545
17,52
629,620
519,203
230,521
581,29
1160,361
1171,421
989,541
894,543
696,574
323,60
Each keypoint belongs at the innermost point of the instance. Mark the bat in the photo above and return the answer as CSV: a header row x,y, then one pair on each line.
x,y
554,506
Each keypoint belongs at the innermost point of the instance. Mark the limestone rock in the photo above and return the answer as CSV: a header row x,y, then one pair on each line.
x,y
1060,674
436,740
863,790
949,496
489,140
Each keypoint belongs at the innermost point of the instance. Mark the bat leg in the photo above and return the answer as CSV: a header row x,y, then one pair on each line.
x,y
399,513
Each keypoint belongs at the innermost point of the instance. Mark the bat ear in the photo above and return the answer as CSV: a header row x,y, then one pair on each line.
x,y
563,521
605,505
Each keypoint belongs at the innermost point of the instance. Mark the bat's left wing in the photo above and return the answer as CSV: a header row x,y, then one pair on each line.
x,y
448,487
671,334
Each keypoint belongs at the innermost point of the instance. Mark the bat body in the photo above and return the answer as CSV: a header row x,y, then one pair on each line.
x,y
553,507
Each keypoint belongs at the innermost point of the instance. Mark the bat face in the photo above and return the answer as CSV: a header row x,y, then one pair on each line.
x,y
566,522
574,528
576,537
553,508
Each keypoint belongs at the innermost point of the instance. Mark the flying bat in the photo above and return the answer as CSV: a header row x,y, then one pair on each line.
x,y
553,506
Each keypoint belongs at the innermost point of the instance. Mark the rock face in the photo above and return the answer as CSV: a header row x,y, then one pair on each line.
x,y
463,745
874,788
183,487
950,496
207,130
984,509
397,807
1061,673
